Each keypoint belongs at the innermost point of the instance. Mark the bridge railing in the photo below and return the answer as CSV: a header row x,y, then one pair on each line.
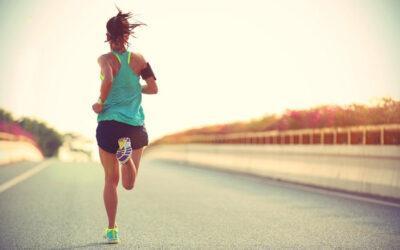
x,y
388,134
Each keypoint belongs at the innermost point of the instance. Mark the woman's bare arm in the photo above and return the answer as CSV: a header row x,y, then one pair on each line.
x,y
106,82
151,85
107,78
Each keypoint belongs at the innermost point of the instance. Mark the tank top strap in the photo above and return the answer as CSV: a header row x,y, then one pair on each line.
x,y
124,57
117,56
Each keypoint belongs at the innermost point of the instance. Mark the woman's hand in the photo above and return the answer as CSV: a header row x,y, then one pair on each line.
x,y
97,107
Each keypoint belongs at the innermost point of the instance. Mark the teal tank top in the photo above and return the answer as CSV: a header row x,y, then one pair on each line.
x,y
124,102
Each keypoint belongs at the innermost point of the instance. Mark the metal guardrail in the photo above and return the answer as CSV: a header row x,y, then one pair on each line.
x,y
387,134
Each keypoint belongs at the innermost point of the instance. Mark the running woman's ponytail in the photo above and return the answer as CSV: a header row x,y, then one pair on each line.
x,y
118,27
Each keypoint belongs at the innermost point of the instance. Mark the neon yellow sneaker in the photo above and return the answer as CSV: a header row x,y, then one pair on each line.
x,y
112,235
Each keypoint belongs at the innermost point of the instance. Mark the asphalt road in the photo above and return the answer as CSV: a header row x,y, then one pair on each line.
x,y
175,206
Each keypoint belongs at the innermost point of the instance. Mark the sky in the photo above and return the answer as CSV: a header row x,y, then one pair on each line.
x,y
216,61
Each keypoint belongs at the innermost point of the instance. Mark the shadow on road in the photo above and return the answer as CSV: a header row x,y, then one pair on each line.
x,y
94,244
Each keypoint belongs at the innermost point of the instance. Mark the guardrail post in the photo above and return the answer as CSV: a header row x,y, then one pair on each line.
x,y
322,138
364,139
334,137
348,137
382,136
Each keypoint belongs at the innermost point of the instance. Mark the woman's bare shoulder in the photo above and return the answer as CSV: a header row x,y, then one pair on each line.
x,y
138,58
137,54
104,58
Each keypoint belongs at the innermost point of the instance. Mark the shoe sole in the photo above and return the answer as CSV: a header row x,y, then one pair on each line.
x,y
122,155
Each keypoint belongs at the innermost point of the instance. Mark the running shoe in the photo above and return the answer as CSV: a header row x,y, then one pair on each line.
x,y
112,235
125,150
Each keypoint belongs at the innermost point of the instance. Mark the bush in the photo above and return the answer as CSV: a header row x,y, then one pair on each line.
x,y
48,139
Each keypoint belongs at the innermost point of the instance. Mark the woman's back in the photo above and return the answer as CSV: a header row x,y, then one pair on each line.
x,y
137,62
123,103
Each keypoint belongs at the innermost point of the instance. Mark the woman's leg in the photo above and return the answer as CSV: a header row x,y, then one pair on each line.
x,y
130,169
137,156
111,171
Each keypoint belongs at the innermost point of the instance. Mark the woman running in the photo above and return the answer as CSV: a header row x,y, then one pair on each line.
x,y
121,135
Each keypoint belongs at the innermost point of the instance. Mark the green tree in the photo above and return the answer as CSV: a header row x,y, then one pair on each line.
x,y
5,116
48,139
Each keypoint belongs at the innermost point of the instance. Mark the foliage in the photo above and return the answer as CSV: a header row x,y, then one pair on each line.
x,y
48,139
385,111
5,116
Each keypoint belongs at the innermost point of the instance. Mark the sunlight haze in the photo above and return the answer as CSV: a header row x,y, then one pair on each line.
x,y
215,61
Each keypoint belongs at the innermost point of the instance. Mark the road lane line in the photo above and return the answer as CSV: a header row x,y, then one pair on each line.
x,y
31,172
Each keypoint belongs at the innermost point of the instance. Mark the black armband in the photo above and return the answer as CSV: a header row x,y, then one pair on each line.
x,y
147,72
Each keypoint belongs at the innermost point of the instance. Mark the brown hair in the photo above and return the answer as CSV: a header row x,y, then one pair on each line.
x,y
119,26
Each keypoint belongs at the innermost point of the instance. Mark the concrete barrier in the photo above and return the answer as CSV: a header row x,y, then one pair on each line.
x,y
366,169
14,151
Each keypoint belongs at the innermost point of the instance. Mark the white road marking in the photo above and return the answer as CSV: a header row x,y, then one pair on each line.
x,y
31,172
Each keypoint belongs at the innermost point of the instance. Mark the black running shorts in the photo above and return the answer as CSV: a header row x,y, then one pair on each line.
x,y
108,133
